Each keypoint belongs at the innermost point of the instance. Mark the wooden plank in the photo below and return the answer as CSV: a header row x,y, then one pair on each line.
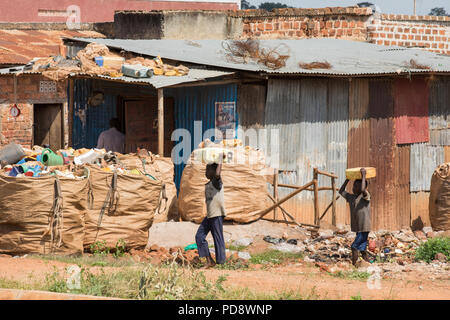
x,y
333,217
161,122
419,209
275,191
316,196
402,186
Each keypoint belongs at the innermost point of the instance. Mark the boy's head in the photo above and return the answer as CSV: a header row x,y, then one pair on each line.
x,y
211,170
114,123
357,186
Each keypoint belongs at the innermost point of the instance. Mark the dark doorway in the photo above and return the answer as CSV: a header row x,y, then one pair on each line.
x,y
48,125
141,125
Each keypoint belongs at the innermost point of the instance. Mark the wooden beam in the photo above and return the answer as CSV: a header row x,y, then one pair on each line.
x,y
329,206
316,196
275,191
265,211
70,115
290,216
331,175
333,216
160,122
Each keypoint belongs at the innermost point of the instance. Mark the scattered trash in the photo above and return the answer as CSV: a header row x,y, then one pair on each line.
x,y
190,247
244,255
286,247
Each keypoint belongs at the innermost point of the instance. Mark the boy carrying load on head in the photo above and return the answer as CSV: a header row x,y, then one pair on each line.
x,y
215,214
359,203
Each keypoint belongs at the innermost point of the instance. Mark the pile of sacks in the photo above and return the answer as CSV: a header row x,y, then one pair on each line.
x,y
92,198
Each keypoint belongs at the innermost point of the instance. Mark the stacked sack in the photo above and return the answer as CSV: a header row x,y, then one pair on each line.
x,y
244,175
439,202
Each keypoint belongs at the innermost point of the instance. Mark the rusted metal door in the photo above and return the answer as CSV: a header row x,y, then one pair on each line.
x,y
141,125
48,125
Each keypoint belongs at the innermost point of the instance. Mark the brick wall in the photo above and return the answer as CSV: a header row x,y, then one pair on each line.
x,y
429,32
360,24
342,23
20,129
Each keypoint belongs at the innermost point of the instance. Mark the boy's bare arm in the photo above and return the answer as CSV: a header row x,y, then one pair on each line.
x,y
363,181
344,185
219,166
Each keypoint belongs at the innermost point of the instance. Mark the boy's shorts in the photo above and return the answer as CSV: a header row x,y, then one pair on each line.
x,y
360,242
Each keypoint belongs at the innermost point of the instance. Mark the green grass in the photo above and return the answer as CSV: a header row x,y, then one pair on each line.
x,y
352,275
274,257
93,261
236,248
427,250
167,282
358,297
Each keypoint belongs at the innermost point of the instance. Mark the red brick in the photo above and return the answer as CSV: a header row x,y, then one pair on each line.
x,y
397,36
332,32
428,31
380,42
296,25
410,37
324,32
417,37
344,24
382,35
260,27
337,24
286,25
404,37
435,31
268,27
442,32
434,45
386,42
329,24
441,46
390,36
414,30
393,43
339,32
406,30
400,30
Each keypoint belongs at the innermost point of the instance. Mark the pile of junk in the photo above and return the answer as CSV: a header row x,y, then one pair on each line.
x,y
65,201
97,59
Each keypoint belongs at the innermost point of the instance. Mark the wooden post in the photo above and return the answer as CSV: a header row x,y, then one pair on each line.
x,y
70,115
333,218
160,122
316,196
275,192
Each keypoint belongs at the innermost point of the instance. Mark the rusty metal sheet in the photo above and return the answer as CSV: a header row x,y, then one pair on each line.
x,y
439,106
359,124
419,209
382,154
20,46
411,110
402,213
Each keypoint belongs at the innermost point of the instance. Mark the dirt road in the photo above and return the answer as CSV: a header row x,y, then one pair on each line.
x,y
301,277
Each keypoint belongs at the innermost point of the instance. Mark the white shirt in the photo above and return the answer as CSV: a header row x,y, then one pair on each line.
x,y
112,140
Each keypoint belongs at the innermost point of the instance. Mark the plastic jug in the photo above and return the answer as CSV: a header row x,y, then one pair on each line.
x,y
209,155
49,158
88,157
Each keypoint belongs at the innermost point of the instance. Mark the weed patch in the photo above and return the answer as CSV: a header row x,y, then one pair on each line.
x,y
274,257
427,250
352,275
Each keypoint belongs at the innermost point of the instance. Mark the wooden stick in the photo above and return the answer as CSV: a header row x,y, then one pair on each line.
x,y
316,196
331,175
265,211
333,215
290,216
283,185
160,122
275,191
329,206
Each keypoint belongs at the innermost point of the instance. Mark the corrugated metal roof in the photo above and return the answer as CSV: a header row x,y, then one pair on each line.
x,y
166,81
346,57
20,46
156,81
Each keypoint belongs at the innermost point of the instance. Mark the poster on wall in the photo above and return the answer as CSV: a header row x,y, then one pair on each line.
x,y
226,119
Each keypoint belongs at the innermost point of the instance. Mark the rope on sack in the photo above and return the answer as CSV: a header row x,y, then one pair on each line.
x,y
90,194
111,200
162,196
56,223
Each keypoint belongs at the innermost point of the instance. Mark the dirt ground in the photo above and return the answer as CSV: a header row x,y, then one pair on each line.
x,y
301,277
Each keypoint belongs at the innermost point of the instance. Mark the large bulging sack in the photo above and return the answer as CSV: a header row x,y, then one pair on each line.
x,y
162,169
42,215
245,187
123,208
439,205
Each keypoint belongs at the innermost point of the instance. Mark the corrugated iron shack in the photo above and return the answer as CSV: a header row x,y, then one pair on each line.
x,y
386,107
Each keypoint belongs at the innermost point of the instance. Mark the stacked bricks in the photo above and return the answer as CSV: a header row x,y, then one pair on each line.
x,y
429,32
342,23
20,129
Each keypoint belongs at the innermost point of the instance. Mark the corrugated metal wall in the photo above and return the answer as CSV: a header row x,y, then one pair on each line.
x,y
439,108
311,116
197,104
89,121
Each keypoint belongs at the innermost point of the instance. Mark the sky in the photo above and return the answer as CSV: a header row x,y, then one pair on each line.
x,y
423,7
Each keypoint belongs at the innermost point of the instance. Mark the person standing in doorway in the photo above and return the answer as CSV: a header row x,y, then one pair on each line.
x,y
215,214
112,139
